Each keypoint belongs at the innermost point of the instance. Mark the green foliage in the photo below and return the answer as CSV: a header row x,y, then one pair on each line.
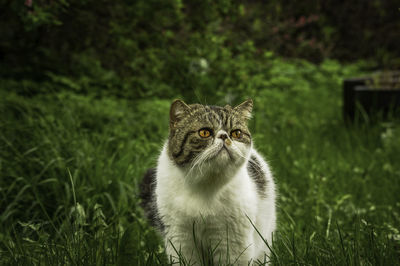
x,y
153,48
70,163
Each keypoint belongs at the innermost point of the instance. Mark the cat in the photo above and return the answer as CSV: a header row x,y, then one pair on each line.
x,y
211,190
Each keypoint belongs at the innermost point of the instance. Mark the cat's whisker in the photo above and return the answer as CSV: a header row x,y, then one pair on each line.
x,y
238,152
202,159
198,161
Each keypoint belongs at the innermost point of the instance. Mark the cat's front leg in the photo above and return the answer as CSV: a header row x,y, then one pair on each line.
x,y
179,248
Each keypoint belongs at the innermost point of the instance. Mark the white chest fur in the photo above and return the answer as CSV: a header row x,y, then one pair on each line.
x,y
197,220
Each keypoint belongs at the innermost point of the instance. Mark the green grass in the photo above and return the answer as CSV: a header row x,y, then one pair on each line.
x,y
70,166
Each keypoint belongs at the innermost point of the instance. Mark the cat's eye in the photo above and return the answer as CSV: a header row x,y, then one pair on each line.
x,y
236,134
204,133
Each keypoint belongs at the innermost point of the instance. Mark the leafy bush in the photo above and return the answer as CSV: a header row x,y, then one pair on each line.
x,y
151,48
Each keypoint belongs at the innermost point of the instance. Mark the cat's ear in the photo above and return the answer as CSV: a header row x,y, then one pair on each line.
x,y
178,110
244,109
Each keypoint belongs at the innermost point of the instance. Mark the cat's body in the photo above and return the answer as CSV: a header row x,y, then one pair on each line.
x,y
210,186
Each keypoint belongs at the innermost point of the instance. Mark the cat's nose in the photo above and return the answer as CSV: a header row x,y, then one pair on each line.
x,y
223,136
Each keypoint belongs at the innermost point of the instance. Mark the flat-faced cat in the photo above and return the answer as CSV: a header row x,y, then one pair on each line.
x,y
209,184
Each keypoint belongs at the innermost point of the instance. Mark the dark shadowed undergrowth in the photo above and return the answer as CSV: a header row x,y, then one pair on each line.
x,y
70,165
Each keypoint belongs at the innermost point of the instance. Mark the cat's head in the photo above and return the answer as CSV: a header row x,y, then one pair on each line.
x,y
209,141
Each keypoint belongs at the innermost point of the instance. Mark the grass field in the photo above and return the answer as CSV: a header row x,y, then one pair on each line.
x,y
70,165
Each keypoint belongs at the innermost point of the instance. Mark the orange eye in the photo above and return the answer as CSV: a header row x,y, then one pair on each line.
x,y
204,133
236,134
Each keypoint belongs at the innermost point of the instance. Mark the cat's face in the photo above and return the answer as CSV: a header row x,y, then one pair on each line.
x,y
209,140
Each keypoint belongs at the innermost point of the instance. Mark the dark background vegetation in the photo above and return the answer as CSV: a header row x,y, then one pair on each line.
x,y
137,49
85,88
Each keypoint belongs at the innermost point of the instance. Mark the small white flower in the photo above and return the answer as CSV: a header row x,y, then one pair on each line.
x,y
199,66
